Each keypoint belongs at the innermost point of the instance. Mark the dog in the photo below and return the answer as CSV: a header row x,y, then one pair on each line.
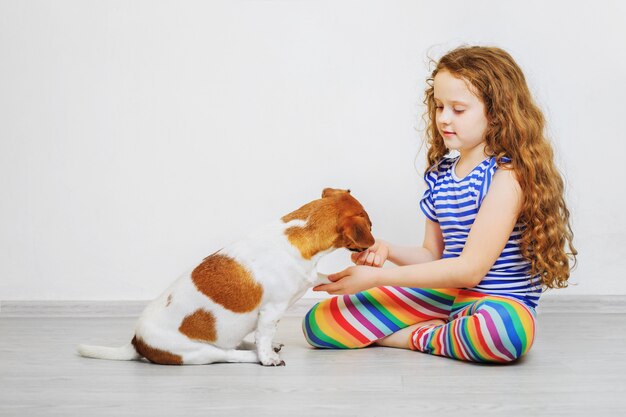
x,y
247,286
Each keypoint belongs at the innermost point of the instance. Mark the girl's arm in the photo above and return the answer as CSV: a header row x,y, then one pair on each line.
x,y
431,249
487,238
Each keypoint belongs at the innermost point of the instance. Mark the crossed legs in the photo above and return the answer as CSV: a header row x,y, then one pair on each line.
x,y
460,324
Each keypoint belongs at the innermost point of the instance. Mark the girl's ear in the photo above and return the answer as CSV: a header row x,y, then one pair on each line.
x,y
356,233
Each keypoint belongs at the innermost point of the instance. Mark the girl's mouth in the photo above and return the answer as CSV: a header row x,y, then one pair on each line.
x,y
448,133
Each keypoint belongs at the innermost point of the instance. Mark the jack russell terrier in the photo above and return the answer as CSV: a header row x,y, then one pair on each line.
x,y
247,286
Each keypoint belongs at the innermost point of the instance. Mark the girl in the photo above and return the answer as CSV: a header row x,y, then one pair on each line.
x,y
496,230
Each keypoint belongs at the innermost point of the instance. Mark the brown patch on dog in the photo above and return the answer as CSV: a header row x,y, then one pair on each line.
x,y
199,326
169,300
336,220
228,283
154,355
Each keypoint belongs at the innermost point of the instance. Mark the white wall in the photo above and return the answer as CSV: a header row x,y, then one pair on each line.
x,y
136,137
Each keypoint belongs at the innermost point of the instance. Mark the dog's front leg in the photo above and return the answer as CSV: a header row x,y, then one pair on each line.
x,y
269,316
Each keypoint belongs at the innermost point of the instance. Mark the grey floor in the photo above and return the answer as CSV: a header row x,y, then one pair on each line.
x,y
577,367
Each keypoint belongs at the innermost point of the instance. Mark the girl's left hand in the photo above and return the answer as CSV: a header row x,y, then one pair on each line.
x,y
351,280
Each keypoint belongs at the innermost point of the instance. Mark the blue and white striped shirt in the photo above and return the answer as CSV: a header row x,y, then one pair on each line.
x,y
454,203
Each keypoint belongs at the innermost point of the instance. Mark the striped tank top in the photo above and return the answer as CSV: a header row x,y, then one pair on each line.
x,y
453,203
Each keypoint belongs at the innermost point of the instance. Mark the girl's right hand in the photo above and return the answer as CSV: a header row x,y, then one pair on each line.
x,y
375,255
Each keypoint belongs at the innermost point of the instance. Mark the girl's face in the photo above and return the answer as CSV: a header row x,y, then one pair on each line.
x,y
460,116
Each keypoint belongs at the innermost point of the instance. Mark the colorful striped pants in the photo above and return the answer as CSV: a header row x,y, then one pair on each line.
x,y
479,328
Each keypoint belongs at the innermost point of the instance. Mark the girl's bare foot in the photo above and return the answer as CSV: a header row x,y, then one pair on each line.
x,y
400,339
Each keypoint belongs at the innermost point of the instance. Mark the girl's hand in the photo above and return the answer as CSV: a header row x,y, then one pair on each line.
x,y
351,280
376,255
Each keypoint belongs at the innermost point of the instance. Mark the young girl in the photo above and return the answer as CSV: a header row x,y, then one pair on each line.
x,y
496,231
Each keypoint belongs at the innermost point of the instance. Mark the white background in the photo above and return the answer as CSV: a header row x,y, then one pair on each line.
x,y
137,137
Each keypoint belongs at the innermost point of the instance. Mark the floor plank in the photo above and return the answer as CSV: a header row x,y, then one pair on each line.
x,y
576,367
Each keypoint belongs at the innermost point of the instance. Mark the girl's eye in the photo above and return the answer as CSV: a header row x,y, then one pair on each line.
x,y
457,111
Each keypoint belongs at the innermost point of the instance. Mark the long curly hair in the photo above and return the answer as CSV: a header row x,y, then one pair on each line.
x,y
515,130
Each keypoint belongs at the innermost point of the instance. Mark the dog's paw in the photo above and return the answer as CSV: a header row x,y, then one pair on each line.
x,y
277,347
272,363
272,360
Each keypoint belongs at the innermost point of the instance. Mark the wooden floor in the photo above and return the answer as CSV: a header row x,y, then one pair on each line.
x,y
577,367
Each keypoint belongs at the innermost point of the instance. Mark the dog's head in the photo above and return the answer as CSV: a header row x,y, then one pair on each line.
x,y
337,220
354,227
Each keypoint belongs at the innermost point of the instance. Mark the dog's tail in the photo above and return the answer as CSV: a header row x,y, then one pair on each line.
x,y
123,353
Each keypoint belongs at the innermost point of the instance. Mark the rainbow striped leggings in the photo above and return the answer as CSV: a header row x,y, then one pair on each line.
x,y
479,328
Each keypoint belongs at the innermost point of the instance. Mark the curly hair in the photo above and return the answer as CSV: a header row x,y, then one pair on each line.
x,y
515,130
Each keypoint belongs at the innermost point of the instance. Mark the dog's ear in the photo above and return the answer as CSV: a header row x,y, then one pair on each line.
x,y
356,233
329,192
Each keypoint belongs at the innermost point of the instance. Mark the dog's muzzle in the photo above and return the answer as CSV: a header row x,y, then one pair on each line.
x,y
357,250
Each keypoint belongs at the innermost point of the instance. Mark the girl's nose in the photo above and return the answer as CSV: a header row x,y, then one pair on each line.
x,y
444,116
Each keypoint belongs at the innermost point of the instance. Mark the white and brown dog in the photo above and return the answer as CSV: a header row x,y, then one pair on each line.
x,y
247,286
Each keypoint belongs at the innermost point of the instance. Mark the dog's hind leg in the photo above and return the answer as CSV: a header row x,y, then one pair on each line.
x,y
206,354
